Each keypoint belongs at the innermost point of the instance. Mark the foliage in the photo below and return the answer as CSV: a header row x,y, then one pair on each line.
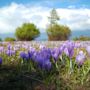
x,y
82,38
55,31
9,39
27,32
58,32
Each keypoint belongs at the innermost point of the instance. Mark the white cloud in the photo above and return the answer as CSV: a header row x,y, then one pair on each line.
x,y
76,19
14,15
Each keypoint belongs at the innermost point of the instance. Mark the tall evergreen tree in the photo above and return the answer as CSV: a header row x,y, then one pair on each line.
x,y
53,16
56,31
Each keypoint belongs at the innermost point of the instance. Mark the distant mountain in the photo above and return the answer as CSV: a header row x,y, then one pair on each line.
x,y
43,36
80,33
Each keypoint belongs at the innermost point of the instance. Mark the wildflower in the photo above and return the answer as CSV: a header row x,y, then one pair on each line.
x,y
0,60
55,54
1,49
9,47
23,55
69,49
48,65
88,50
42,58
80,58
10,52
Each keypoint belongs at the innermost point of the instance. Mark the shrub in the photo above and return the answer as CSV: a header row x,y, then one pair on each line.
x,y
27,32
9,39
58,32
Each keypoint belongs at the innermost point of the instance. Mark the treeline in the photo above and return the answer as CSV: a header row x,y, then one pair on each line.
x,y
55,31
82,38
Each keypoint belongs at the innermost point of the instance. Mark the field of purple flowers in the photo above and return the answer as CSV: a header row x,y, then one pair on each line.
x,y
45,66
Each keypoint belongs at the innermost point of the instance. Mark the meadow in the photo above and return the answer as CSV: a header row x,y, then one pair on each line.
x,y
45,65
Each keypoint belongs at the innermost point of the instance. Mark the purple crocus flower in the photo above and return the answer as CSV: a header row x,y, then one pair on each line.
x,y
80,58
77,45
55,54
88,50
42,46
66,51
10,52
69,49
45,64
42,58
48,65
1,49
31,52
9,47
46,52
61,48
23,55
0,60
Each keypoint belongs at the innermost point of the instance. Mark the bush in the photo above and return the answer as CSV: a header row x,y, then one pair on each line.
x,y
58,32
82,38
27,32
55,31
9,39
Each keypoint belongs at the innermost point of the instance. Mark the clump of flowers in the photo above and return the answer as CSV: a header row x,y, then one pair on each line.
x,y
80,58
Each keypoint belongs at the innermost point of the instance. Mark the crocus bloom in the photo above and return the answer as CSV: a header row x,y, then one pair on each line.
x,y
69,49
77,45
9,47
42,46
46,52
80,58
88,50
1,49
48,65
61,48
10,52
0,60
42,58
55,53
23,55
31,52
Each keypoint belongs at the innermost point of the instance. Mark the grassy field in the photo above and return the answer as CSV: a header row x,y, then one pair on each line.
x,y
44,65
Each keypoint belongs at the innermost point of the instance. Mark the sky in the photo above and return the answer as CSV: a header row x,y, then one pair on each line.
x,y
73,13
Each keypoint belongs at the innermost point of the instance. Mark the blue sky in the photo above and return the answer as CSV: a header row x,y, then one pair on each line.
x,y
50,3
74,13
